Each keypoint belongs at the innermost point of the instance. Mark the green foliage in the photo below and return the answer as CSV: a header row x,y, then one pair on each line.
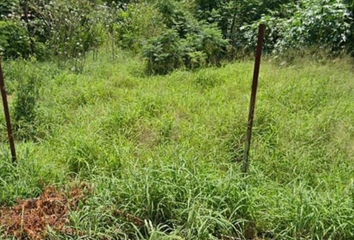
x,y
232,16
24,79
176,17
25,107
62,29
165,149
291,24
7,7
164,54
25,103
69,29
350,7
169,52
212,44
73,28
136,24
14,41
310,23
188,43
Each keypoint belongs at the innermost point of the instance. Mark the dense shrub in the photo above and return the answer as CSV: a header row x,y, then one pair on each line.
x,y
7,7
68,29
64,29
188,43
136,24
169,52
176,16
73,29
14,41
164,53
350,7
311,23
212,44
232,16
291,24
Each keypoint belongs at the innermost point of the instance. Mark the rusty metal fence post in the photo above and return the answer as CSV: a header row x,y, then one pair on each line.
x,y
261,31
7,116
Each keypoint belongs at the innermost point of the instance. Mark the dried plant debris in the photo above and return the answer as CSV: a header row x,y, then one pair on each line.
x,y
30,219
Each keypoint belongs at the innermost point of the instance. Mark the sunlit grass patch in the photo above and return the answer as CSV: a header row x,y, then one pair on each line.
x,y
167,150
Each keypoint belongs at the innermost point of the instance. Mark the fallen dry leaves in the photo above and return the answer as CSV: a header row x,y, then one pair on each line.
x,y
30,219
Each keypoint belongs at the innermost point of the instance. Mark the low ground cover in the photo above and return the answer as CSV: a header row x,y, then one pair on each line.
x,y
161,154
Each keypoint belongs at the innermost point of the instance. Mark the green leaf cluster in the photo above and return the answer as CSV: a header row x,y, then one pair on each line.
x,y
326,24
186,42
61,29
7,7
14,41
134,25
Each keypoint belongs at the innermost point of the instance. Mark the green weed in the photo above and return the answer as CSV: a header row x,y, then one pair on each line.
x,y
164,150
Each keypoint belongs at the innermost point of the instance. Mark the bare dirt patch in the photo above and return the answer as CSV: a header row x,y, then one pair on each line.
x,y
30,219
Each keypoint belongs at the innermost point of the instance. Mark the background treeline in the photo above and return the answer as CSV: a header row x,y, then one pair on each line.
x,y
171,34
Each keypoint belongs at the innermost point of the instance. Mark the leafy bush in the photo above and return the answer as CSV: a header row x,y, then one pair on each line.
x,y
312,23
176,17
6,7
64,29
169,52
213,44
232,16
291,24
73,31
323,25
14,41
137,23
188,43
164,54
350,7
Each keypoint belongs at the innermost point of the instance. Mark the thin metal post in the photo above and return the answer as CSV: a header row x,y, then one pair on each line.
x,y
7,116
261,30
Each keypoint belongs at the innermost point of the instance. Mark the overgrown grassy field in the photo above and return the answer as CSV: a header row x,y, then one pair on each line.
x,y
167,149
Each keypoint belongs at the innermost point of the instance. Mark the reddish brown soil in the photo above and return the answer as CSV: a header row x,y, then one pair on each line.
x,y
30,219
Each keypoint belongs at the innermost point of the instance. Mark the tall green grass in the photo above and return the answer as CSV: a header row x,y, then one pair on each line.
x,y
167,149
